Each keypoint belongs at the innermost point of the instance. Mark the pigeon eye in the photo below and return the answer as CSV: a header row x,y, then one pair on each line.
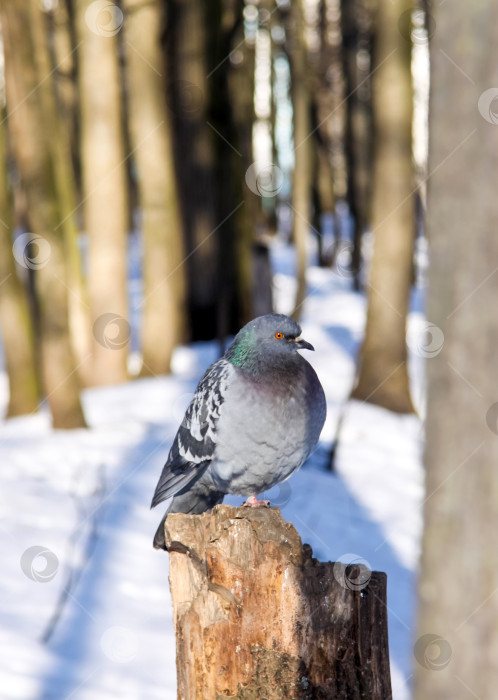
x,y
279,335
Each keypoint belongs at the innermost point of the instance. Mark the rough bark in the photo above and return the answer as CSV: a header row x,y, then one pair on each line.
x,y
459,575
15,319
104,191
383,374
256,616
28,131
150,135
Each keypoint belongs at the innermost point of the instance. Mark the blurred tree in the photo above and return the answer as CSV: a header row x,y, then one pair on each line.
x,y
58,139
163,310
15,320
254,299
235,228
324,59
43,250
188,88
199,43
383,372
357,35
303,145
105,189
457,649
61,45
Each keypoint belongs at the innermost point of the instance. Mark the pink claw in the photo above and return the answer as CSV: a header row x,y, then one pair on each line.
x,y
253,502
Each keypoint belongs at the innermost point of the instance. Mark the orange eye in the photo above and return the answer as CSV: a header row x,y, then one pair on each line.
x,y
279,335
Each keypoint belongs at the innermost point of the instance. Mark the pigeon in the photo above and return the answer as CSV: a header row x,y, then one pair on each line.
x,y
255,417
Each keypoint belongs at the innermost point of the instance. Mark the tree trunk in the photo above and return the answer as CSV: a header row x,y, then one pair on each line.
x,y
303,141
356,21
222,20
15,319
63,57
257,617
383,375
254,300
150,132
457,648
105,193
188,88
58,139
43,248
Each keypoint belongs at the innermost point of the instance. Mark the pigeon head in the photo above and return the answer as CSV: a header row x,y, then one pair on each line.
x,y
270,341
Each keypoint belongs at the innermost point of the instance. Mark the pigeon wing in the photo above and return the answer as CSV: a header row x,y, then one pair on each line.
x,y
195,442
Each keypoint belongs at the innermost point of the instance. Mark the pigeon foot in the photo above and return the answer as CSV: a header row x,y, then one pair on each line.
x,y
252,502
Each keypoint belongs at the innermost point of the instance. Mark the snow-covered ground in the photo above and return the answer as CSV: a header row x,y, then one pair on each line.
x,y
85,611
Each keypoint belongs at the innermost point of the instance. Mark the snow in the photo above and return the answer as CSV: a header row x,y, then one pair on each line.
x,y
82,498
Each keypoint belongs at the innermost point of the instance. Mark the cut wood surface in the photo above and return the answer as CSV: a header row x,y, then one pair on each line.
x,y
257,616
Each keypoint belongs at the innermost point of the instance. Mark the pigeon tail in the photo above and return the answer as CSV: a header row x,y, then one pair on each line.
x,y
189,500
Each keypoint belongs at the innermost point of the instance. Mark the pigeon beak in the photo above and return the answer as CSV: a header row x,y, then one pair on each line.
x,y
303,344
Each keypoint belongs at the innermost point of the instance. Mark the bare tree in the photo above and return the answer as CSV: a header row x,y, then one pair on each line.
x,y
383,374
327,96
15,319
28,131
302,175
150,133
357,25
104,178
58,139
199,44
189,91
457,644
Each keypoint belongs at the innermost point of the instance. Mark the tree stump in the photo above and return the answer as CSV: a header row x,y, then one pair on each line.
x,y
257,616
